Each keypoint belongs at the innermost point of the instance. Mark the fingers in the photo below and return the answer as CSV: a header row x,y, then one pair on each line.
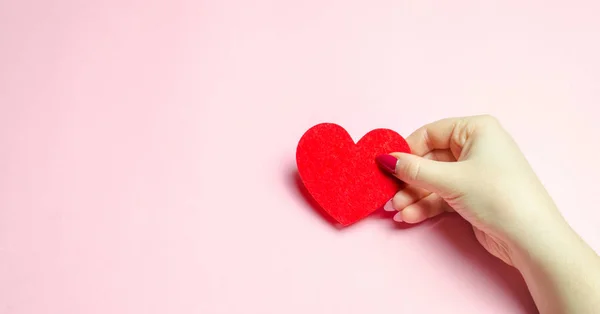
x,y
431,171
405,197
435,135
408,196
450,133
440,155
417,205
427,207
412,194
435,176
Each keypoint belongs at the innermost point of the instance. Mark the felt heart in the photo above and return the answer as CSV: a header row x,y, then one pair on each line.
x,y
342,176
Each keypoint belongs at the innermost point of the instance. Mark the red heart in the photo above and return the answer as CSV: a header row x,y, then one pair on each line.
x,y
342,176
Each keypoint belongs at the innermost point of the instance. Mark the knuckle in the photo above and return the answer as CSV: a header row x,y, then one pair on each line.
x,y
460,133
486,122
489,119
413,170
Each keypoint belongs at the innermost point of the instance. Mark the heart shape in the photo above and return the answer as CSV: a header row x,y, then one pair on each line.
x,y
342,176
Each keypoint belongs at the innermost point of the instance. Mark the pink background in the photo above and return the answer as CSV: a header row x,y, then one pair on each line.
x,y
147,148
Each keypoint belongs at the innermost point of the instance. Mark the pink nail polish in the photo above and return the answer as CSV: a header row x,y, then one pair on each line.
x,y
388,206
398,217
387,162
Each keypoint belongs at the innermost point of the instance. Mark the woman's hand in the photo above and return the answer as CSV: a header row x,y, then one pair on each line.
x,y
471,165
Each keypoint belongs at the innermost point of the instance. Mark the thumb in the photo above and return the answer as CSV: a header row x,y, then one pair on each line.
x,y
434,176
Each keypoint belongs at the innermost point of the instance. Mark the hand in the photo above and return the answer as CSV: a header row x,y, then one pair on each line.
x,y
472,166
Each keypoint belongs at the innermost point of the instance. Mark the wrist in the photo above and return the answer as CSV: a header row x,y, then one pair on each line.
x,y
561,271
541,241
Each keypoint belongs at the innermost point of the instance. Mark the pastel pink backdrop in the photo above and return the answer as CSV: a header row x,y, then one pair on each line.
x,y
147,148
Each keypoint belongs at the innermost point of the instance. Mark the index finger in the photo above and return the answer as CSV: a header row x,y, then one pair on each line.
x,y
432,136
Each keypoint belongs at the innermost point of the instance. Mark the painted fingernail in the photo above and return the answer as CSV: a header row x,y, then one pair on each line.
x,y
388,162
398,217
388,206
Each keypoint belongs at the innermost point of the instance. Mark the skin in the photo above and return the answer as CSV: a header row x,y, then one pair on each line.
x,y
472,166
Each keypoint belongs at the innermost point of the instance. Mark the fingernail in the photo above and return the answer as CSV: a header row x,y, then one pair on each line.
x,y
398,217
388,162
388,206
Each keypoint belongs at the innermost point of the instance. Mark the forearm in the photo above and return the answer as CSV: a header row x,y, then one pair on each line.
x,y
561,271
